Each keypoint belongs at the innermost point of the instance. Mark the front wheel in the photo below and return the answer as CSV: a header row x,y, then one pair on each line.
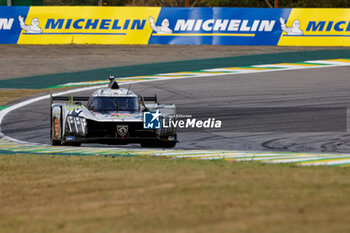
x,y
148,144
71,143
169,144
55,142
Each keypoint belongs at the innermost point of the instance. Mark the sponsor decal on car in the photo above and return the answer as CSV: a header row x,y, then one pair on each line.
x,y
70,138
121,115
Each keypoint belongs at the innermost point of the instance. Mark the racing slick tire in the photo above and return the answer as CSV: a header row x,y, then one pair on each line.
x,y
71,143
60,143
55,142
148,144
169,144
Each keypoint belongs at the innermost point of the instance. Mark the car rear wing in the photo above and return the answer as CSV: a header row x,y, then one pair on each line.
x,y
144,99
149,98
69,98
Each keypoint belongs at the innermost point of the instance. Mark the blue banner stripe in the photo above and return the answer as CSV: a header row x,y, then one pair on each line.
x,y
317,35
9,24
220,26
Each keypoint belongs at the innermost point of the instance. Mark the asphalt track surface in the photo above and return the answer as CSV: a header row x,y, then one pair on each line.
x,y
229,98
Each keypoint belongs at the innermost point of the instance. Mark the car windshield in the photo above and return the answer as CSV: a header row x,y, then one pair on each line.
x,y
103,104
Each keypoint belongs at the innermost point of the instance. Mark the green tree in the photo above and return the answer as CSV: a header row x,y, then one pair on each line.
x,y
235,3
85,2
282,3
315,4
206,3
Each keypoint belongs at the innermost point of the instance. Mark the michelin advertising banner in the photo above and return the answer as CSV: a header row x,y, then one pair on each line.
x,y
155,25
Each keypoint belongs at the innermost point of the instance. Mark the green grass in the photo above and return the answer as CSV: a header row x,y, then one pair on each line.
x,y
142,194
3,107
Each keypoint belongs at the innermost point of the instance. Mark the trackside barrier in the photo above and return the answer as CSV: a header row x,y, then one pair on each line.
x,y
156,25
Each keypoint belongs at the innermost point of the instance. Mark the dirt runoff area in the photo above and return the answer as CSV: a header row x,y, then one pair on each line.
x,y
27,60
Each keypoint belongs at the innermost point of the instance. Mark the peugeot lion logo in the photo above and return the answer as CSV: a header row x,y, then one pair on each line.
x,y
122,130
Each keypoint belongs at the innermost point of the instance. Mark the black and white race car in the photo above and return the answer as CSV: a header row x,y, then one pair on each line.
x,y
112,115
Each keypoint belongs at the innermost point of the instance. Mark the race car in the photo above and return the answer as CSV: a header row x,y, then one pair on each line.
x,y
112,115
